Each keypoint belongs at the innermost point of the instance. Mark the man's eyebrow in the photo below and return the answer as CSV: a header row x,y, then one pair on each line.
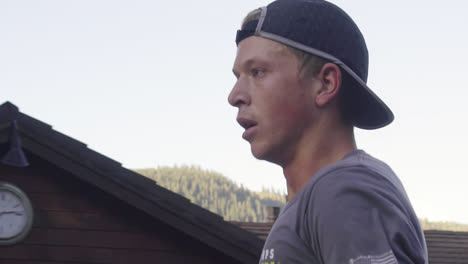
x,y
249,62
246,64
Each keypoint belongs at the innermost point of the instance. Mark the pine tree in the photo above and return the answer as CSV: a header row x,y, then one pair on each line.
x,y
215,192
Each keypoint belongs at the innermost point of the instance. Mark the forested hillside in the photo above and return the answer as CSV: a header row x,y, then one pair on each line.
x,y
216,193
220,195
448,226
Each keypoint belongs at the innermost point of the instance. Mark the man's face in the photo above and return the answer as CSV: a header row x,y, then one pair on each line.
x,y
275,106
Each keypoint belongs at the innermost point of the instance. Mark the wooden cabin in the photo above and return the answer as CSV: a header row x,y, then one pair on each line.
x,y
87,208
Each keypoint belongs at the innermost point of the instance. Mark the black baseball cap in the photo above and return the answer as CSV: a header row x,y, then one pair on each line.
x,y
323,29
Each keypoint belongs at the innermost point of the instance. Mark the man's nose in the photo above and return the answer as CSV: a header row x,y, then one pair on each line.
x,y
239,94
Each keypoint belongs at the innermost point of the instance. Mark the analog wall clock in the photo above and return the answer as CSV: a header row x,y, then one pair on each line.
x,y
16,214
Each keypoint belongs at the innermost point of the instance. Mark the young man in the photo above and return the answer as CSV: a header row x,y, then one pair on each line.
x,y
301,70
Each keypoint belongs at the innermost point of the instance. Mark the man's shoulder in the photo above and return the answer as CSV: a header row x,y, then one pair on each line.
x,y
359,158
355,165
357,171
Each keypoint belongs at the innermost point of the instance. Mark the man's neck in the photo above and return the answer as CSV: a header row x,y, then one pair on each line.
x,y
313,156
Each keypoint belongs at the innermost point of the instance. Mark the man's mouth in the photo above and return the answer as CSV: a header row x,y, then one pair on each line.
x,y
246,123
249,126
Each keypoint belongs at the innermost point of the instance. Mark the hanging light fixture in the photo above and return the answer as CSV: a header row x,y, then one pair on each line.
x,y
15,155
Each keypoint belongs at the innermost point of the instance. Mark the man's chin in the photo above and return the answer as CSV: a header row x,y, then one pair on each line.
x,y
270,153
257,152
262,153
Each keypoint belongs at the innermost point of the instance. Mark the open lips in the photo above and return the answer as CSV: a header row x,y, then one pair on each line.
x,y
248,125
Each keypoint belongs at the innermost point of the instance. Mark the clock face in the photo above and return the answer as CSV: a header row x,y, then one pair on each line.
x,y
12,214
16,214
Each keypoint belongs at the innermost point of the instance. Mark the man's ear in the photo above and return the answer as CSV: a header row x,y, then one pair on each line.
x,y
330,76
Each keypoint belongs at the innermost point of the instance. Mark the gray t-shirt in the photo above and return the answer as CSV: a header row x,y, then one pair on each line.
x,y
354,211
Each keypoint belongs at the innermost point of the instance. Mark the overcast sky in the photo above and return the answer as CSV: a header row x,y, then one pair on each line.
x,y
146,83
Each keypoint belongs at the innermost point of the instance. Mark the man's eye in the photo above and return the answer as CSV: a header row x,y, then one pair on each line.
x,y
257,72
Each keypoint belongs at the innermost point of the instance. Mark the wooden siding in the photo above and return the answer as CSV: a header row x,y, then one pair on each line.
x,y
261,230
77,223
447,247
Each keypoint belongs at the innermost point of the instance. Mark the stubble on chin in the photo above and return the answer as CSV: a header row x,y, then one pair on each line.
x,y
265,151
